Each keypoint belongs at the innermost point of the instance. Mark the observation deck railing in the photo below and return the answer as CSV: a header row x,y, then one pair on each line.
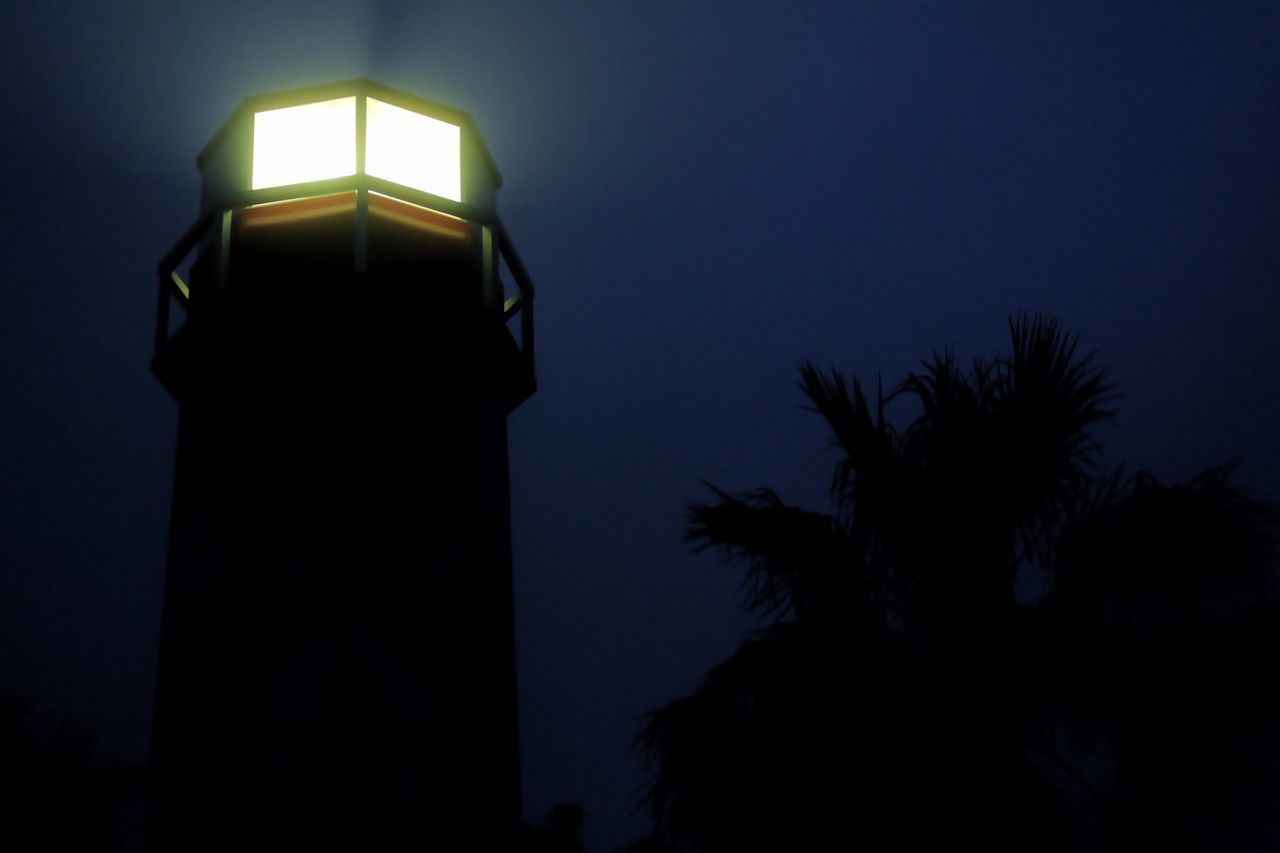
x,y
212,231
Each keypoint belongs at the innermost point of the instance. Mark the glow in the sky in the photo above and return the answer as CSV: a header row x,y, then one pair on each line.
x,y
310,142
413,149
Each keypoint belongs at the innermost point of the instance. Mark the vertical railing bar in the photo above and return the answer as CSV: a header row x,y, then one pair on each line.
x,y
525,285
224,246
361,261
489,269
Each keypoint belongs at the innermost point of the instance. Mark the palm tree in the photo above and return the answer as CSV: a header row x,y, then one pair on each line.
x,y
902,697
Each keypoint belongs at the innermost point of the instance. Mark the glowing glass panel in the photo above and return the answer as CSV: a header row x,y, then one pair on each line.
x,y
412,149
311,142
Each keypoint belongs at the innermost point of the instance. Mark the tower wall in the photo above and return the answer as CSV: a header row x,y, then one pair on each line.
x,y
337,660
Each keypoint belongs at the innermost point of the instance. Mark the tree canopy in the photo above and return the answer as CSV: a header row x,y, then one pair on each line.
x,y
904,696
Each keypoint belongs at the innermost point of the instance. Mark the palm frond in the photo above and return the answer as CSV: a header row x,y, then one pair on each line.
x,y
1049,394
866,440
794,557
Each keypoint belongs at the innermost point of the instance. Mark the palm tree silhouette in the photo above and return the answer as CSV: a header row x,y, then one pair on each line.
x,y
903,697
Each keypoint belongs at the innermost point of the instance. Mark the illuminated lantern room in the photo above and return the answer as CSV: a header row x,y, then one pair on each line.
x,y
307,142
345,183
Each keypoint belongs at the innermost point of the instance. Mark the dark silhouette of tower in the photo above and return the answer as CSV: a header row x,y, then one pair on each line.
x,y
337,659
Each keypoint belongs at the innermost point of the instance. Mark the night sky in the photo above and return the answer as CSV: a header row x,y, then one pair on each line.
x,y
705,194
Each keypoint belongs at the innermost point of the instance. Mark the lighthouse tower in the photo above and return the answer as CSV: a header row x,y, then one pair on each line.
x,y
337,665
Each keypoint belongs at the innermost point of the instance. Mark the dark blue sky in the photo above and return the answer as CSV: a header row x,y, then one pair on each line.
x,y
705,196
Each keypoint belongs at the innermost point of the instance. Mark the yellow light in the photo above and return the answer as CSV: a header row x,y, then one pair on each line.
x,y
311,142
412,149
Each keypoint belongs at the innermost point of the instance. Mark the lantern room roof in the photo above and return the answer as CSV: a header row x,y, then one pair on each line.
x,y
357,86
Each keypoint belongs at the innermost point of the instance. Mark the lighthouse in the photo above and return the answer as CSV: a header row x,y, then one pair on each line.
x,y
345,328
